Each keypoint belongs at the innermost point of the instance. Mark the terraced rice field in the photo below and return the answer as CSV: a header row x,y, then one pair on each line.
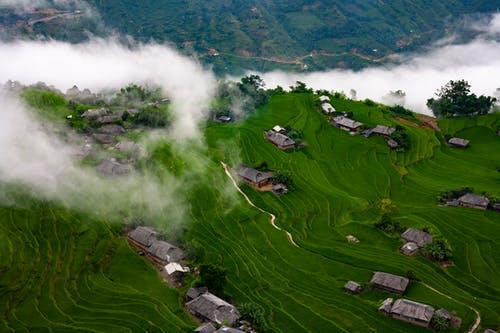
x,y
61,271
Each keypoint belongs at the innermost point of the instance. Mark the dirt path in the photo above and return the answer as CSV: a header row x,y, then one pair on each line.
x,y
272,216
431,121
476,324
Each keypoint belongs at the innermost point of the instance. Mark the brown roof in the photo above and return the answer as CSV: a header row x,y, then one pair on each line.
x,y
413,310
391,281
417,236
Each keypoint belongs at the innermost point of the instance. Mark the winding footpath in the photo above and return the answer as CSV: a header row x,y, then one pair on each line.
x,y
272,216
474,327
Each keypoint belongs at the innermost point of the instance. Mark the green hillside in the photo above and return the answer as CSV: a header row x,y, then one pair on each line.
x,y
63,271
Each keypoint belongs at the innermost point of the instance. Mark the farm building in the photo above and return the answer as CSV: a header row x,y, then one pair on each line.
x,y
279,140
175,270
417,236
458,142
327,107
110,167
443,313
324,99
103,138
473,201
95,113
165,252
192,293
390,282
392,144
382,130
412,312
279,129
409,248
143,236
127,146
353,287
386,306
224,119
252,176
280,189
496,207
489,330
210,307
111,129
206,328
346,124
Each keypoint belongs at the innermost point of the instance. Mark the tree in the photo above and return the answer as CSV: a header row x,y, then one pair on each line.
x,y
455,99
253,314
300,87
440,323
438,250
213,276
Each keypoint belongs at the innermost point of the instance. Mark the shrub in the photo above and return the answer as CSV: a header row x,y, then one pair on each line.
x,y
213,276
387,225
438,250
252,313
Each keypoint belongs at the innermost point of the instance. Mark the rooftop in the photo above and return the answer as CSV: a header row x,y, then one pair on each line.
x,y
458,142
383,130
346,122
417,236
213,308
143,235
474,199
251,174
390,281
279,139
414,310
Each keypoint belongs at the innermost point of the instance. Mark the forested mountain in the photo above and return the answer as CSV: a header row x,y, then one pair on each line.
x,y
257,34
290,31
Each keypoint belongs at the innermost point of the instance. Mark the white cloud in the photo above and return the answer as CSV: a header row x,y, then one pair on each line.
x,y
419,76
104,63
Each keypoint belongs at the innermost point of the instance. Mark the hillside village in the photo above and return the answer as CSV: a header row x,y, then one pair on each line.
x,y
397,248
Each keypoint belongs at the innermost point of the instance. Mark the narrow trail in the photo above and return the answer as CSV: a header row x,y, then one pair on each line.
x,y
476,324
272,216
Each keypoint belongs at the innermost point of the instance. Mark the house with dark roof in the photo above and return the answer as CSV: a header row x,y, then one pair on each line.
x,y
279,140
390,282
473,201
210,307
412,312
192,293
458,142
164,252
353,287
129,146
383,130
206,328
346,124
417,236
143,236
111,167
253,176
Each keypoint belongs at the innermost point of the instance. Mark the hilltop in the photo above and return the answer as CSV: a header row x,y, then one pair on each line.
x,y
341,184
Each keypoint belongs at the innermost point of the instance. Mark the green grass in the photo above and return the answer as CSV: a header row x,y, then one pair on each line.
x,y
60,271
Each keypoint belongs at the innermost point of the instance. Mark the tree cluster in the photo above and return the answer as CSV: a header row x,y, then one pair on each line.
x,y
446,195
252,313
455,99
388,225
438,250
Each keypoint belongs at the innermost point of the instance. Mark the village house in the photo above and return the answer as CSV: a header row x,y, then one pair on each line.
x,y
353,287
390,282
458,142
210,307
224,119
489,330
206,328
382,130
194,292
175,270
95,113
417,236
346,124
279,129
164,252
128,146
279,140
392,144
110,167
443,313
409,248
111,129
280,189
103,138
327,107
386,306
143,236
412,312
226,329
473,201
324,99
253,177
